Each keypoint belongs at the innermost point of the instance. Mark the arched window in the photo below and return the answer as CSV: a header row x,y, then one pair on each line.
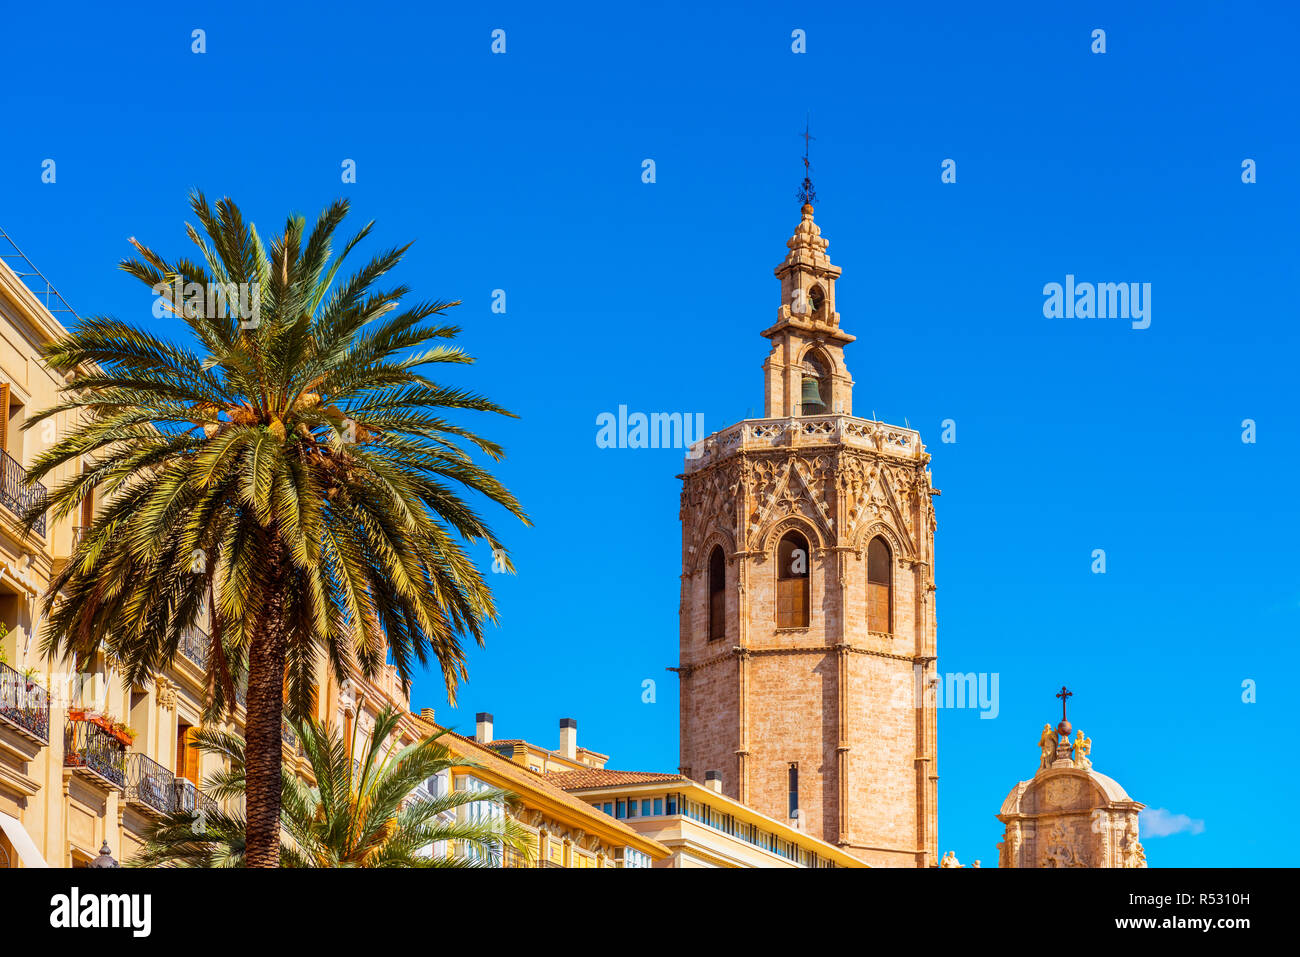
x,y
792,581
880,587
717,593
815,386
816,299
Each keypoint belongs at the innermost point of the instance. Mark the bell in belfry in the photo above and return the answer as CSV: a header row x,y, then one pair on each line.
x,y
811,400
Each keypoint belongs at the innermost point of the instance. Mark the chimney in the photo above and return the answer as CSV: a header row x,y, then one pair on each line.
x,y
427,714
483,727
713,781
569,738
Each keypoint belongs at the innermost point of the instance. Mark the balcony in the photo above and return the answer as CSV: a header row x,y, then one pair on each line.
x,y
25,705
93,752
189,798
806,431
287,735
194,645
16,493
150,784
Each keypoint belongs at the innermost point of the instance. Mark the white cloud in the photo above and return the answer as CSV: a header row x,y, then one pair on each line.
x,y
1157,822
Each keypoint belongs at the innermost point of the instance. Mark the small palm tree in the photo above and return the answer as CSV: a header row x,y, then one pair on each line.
x,y
290,472
359,813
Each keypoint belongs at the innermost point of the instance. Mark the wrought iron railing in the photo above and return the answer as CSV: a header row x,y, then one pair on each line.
x,y
287,735
189,798
194,645
18,494
24,703
150,783
87,745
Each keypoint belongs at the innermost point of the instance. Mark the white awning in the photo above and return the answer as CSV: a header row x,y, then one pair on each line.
x,y
21,841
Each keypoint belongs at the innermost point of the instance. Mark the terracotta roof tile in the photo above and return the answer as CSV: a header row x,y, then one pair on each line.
x,y
602,778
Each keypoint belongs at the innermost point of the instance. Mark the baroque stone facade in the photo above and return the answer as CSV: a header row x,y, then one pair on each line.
x,y
800,668
1069,815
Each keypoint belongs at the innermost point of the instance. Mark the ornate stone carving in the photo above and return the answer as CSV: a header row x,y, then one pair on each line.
x,y
1059,850
1047,746
166,692
1063,792
1082,748
1069,815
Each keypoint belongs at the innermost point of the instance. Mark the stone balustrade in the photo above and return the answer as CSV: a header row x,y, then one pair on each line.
x,y
804,431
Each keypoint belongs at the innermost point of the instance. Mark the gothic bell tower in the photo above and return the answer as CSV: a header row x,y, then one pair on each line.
x,y
807,626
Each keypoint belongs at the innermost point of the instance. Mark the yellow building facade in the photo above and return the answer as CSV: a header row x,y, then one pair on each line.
x,y
87,760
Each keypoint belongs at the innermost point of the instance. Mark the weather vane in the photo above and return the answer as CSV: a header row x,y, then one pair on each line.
x,y
806,194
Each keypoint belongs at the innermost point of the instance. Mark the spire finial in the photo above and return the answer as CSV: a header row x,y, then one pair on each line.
x,y
806,194
1065,694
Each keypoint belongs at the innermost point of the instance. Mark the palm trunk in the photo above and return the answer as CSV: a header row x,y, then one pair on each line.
x,y
262,751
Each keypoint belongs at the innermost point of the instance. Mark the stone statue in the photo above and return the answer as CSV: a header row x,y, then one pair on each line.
x,y
1082,748
1134,854
1047,744
949,860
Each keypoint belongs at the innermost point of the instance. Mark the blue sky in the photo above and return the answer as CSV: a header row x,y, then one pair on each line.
x,y
522,172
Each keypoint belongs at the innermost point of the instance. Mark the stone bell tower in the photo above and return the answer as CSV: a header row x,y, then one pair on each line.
x,y
807,601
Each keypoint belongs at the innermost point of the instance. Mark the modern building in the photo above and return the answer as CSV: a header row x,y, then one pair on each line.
x,y
698,823
807,595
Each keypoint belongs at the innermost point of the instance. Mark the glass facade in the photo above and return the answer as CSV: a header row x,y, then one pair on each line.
x,y
674,804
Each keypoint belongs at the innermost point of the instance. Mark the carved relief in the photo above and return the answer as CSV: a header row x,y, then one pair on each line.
x,y
166,692
1063,792
1060,849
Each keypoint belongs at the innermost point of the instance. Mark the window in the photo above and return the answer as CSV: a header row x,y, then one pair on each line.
x,y
622,810
792,581
792,782
717,593
672,804
631,857
816,299
11,422
880,581
815,383
659,807
187,755
481,813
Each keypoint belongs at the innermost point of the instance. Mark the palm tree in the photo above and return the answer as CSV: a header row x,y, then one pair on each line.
x,y
289,471
357,815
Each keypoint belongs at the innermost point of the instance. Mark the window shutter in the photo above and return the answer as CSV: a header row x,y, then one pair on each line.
x,y
4,416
